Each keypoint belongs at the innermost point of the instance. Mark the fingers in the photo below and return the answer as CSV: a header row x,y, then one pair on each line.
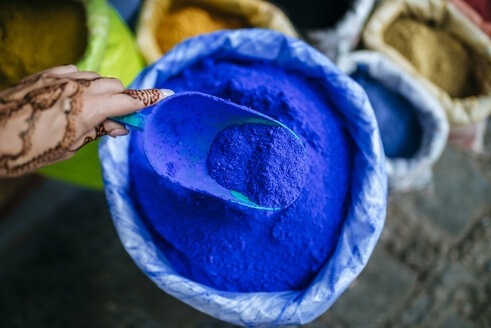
x,y
102,98
65,69
78,75
84,78
107,127
99,107
95,82
107,86
131,100
114,129
57,70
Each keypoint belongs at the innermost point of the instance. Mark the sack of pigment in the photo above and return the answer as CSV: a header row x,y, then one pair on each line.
x,y
412,123
246,266
42,34
165,23
447,54
333,26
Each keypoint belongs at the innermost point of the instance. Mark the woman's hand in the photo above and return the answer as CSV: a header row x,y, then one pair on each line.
x,y
48,116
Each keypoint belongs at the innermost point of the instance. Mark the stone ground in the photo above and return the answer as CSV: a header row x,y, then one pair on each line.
x,y
62,265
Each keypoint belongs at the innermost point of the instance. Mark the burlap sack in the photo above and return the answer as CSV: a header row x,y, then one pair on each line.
x,y
460,111
257,13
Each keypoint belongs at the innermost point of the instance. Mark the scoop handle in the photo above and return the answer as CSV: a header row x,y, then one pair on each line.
x,y
134,120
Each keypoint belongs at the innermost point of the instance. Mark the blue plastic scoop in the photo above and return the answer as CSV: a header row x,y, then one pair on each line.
x,y
177,136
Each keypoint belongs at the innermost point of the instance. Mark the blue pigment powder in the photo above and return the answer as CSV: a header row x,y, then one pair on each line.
x,y
397,119
264,162
232,247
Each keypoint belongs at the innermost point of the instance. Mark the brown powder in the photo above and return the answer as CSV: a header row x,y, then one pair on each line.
x,y
436,54
35,35
186,21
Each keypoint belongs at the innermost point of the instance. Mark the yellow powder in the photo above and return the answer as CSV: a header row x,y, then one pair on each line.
x,y
35,35
183,22
436,54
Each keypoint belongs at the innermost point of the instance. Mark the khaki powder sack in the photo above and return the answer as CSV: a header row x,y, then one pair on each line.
x,y
256,13
461,112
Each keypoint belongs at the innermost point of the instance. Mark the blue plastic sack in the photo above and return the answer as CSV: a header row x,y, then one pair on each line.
x,y
363,223
406,174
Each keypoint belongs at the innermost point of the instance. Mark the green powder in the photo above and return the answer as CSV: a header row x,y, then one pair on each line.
x,y
436,54
36,35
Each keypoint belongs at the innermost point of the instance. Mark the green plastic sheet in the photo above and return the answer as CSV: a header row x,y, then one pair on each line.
x,y
111,52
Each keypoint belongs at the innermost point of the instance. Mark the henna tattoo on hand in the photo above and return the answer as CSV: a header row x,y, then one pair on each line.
x,y
100,131
29,110
148,97
29,79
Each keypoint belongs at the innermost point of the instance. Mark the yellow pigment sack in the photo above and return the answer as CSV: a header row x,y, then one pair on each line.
x,y
112,52
440,14
255,13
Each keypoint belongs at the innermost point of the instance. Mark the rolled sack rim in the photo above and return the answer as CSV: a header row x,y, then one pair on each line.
x,y
363,223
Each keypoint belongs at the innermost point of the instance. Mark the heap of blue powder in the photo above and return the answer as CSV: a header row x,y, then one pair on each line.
x,y
264,162
397,119
235,248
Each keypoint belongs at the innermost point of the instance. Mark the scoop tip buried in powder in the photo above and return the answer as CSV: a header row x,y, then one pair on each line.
x,y
266,163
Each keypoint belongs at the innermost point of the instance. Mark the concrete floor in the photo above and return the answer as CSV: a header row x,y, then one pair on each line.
x,y
62,265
